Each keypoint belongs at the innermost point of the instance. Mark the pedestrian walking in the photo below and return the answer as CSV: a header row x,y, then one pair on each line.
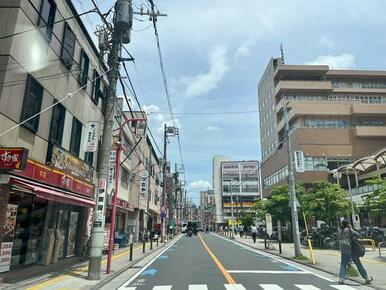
x,y
350,251
241,230
254,233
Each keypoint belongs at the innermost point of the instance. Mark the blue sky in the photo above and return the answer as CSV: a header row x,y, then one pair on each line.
x,y
215,52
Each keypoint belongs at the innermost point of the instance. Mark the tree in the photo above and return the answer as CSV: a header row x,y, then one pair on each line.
x,y
326,201
375,202
278,203
260,208
246,218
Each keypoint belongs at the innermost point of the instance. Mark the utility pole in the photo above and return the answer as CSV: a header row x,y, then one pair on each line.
x,y
98,229
292,189
168,132
163,187
120,34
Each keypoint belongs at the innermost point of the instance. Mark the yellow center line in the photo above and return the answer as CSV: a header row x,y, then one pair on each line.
x,y
227,276
79,270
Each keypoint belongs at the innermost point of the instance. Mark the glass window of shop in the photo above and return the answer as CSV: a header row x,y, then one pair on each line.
x,y
65,222
26,234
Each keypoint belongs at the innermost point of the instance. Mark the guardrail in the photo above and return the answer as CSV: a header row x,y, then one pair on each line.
x,y
371,241
379,248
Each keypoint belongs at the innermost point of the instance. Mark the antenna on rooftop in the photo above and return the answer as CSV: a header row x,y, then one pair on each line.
x,y
282,52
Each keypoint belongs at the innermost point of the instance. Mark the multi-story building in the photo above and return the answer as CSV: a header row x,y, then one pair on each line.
x,y
240,187
48,65
217,191
206,204
335,116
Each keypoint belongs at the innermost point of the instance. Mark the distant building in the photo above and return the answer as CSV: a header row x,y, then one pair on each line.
x,y
240,187
335,116
217,192
206,207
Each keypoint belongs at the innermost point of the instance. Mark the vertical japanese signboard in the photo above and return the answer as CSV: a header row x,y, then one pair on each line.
x,y
144,185
299,161
99,213
9,232
91,136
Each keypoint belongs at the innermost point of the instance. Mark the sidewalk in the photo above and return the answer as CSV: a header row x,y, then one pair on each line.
x,y
70,273
328,260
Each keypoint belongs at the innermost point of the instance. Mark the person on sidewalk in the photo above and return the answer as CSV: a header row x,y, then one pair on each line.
x,y
254,233
346,236
241,230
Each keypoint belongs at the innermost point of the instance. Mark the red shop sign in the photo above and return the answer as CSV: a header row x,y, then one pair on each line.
x,y
13,158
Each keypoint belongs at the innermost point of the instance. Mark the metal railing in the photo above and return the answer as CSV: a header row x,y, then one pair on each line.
x,y
371,241
380,245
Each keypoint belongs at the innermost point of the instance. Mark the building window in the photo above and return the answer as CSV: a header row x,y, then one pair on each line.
x,y
47,18
68,47
83,64
96,91
32,103
124,178
57,124
76,135
89,158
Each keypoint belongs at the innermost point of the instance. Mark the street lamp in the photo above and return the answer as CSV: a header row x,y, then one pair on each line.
x,y
114,199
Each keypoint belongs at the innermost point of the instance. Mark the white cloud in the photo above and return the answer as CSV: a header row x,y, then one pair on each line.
x,y
199,185
213,128
344,60
205,82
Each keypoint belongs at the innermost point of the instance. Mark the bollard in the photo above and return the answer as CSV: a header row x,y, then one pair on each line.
x,y
143,246
151,243
265,243
279,246
157,241
131,251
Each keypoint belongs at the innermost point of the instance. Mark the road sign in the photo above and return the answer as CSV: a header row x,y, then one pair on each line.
x,y
91,137
163,211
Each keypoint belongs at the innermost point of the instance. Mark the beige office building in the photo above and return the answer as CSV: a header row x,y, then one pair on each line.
x,y
335,117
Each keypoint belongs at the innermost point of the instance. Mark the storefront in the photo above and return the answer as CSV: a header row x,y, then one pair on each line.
x,y
43,219
122,229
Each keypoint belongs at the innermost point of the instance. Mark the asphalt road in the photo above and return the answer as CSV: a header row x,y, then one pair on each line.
x,y
211,262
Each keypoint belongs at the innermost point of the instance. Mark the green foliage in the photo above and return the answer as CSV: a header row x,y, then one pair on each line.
x,y
326,201
278,203
246,218
375,202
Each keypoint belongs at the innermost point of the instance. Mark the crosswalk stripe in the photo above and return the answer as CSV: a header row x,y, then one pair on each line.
x,y
166,287
234,287
307,287
342,287
270,287
198,287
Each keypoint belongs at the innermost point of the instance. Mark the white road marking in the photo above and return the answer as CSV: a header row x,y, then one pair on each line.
x,y
250,248
307,287
128,282
198,287
266,272
131,288
342,287
270,287
234,287
168,287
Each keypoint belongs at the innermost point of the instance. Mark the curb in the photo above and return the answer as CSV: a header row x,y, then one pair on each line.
x,y
125,268
300,262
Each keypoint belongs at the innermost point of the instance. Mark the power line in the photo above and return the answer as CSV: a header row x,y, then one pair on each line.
x,y
210,113
42,26
162,66
69,95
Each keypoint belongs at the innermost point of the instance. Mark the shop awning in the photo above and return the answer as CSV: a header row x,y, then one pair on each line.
x,y
54,194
